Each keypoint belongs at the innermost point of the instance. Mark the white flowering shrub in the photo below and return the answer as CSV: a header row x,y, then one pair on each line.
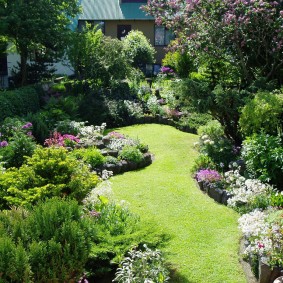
x,y
216,146
246,193
134,109
263,231
153,106
142,266
118,144
103,191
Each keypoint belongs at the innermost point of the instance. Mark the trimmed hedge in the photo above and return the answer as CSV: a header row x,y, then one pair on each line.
x,y
18,102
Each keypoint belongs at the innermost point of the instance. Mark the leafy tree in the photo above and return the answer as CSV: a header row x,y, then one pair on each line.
x,y
97,57
138,48
247,34
37,25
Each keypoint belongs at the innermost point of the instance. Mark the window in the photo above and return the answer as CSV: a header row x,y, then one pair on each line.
x,y
163,36
122,31
3,65
100,24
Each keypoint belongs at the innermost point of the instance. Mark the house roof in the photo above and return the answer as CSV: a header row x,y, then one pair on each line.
x,y
112,10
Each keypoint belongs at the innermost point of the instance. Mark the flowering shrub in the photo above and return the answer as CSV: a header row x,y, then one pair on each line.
x,y
57,139
264,233
3,143
86,133
247,193
16,141
154,106
134,109
142,266
167,71
263,155
115,135
208,175
214,144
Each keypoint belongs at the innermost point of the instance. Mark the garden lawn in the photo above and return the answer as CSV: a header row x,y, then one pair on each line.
x,y
205,238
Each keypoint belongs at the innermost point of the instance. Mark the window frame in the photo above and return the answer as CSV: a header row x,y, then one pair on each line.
x,y
119,28
92,23
166,32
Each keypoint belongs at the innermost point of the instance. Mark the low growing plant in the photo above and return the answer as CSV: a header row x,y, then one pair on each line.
x,y
90,156
142,266
131,153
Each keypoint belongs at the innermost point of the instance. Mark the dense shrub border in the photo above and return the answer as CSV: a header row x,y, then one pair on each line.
x,y
18,102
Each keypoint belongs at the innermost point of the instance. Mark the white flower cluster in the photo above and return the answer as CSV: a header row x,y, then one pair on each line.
x,y
134,108
118,144
88,132
102,189
253,224
206,140
264,238
244,190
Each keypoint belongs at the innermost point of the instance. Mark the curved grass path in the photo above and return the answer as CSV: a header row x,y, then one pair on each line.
x,y
205,239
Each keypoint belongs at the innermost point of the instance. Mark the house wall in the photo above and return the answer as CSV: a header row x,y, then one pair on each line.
x,y
146,27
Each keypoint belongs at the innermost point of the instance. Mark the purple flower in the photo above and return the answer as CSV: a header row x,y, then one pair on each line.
x,y
3,143
208,175
29,133
27,125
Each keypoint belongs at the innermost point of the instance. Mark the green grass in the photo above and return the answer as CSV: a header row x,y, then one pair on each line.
x,y
204,236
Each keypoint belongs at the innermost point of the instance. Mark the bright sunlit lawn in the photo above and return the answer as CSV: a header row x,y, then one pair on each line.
x,y
205,239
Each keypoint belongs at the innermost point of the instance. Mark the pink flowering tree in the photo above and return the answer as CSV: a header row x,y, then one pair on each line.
x,y
246,33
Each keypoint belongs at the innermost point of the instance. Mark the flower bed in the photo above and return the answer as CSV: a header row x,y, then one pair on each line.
x,y
261,222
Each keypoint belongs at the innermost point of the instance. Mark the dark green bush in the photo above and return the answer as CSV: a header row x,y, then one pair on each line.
x,y
49,172
18,102
40,125
118,230
14,265
48,243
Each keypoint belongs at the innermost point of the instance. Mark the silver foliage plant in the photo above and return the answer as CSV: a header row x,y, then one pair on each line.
x,y
142,267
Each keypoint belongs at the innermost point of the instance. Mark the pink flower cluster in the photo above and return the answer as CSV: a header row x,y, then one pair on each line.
x,y
208,175
3,143
115,135
27,125
57,139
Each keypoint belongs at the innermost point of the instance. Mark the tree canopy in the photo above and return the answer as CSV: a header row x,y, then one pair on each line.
x,y
37,25
246,33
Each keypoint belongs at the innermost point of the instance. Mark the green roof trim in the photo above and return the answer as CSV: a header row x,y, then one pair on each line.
x,y
112,10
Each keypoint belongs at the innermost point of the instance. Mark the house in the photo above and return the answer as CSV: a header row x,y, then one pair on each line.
x,y
117,18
